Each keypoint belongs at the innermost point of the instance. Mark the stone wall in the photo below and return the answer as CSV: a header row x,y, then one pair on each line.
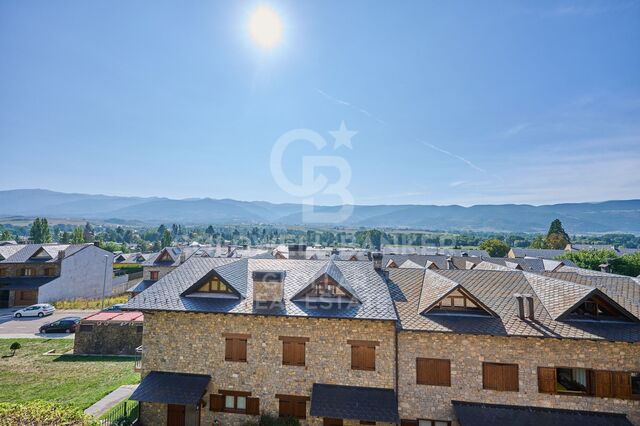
x,y
162,271
468,352
193,343
108,338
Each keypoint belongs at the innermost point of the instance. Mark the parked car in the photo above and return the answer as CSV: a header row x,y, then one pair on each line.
x,y
114,308
63,325
39,310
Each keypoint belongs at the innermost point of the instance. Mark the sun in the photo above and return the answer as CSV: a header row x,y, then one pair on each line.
x,y
265,27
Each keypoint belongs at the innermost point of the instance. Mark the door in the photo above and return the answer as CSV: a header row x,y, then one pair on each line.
x,y
26,297
175,415
326,421
4,298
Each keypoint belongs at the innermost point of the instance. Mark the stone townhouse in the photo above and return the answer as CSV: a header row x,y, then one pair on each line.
x,y
227,339
513,347
39,273
343,342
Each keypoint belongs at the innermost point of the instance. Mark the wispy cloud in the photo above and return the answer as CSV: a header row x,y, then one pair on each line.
x,y
516,129
349,105
452,155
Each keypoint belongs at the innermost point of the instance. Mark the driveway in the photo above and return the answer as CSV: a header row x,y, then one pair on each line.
x,y
11,327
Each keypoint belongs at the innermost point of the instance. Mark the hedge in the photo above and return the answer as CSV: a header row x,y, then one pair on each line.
x,y
41,413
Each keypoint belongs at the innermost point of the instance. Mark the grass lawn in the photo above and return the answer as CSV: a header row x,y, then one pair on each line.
x,y
75,380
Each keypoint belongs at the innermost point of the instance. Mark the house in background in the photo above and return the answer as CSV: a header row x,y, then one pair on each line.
x,y
39,273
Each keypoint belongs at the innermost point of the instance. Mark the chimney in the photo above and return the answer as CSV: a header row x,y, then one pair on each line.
x,y
268,287
377,260
605,267
530,312
335,251
61,254
450,263
519,298
297,251
183,257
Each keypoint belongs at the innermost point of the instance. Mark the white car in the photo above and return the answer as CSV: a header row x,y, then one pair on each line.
x,y
39,310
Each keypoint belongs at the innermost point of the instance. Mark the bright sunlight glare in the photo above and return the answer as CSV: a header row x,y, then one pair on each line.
x,y
265,27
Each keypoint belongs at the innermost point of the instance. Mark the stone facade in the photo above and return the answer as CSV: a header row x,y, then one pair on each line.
x,y
467,353
194,343
108,338
162,271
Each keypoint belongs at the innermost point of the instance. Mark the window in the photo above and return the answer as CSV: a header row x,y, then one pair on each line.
x,y
586,382
49,272
293,350
235,347
214,285
234,402
500,377
292,406
363,354
139,328
596,309
154,275
326,286
425,422
26,272
435,372
86,328
458,301
3,272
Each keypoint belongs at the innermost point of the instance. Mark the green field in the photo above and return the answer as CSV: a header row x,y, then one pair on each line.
x,y
75,380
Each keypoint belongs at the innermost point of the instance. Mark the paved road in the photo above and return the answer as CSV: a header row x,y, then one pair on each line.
x,y
29,326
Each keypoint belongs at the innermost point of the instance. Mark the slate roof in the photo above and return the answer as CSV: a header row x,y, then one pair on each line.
x,y
22,253
354,402
495,290
141,286
171,388
167,293
24,283
531,264
541,253
333,271
479,414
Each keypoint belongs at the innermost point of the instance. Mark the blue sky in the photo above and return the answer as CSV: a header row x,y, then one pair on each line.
x,y
454,102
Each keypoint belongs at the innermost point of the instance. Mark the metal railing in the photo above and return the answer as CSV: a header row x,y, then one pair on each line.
x,y
123,414
138,363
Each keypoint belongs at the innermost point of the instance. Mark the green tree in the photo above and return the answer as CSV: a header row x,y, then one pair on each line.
x,y
65,238
371,238
495,248
556,228
592,259
166,238
39,232
555,242
77,237
88,234
6,235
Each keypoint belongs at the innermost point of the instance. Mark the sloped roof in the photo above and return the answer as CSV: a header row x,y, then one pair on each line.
x,y
496,290
23,253
557,296
541,253
167,293
354,402
481,414
331,270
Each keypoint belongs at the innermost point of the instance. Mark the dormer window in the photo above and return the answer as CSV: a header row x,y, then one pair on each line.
x,y
457,301
214,285
326,287
596,309
165,257
328,284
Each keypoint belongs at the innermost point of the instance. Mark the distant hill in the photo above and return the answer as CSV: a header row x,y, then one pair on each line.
x,y
607,216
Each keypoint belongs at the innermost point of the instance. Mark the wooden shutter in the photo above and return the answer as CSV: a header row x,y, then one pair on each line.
x,y
235,349
293,352
241,348
621,384
285,407
500,377
216,402
546,380
363,357
602,384
253,406
229,349
300,409
431,371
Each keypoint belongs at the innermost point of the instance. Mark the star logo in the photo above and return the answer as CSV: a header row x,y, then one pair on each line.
x,y
343,136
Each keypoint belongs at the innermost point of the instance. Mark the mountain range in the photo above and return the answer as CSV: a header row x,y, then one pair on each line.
x,y
606,216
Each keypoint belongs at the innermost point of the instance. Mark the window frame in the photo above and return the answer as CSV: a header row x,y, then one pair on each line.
x,y
503,366
293,399
432,422
233,354
286,356
154,275
593,383
437,382
362,345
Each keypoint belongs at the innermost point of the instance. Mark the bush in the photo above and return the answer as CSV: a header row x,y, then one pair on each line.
x,y
89,303
41,413
14,347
